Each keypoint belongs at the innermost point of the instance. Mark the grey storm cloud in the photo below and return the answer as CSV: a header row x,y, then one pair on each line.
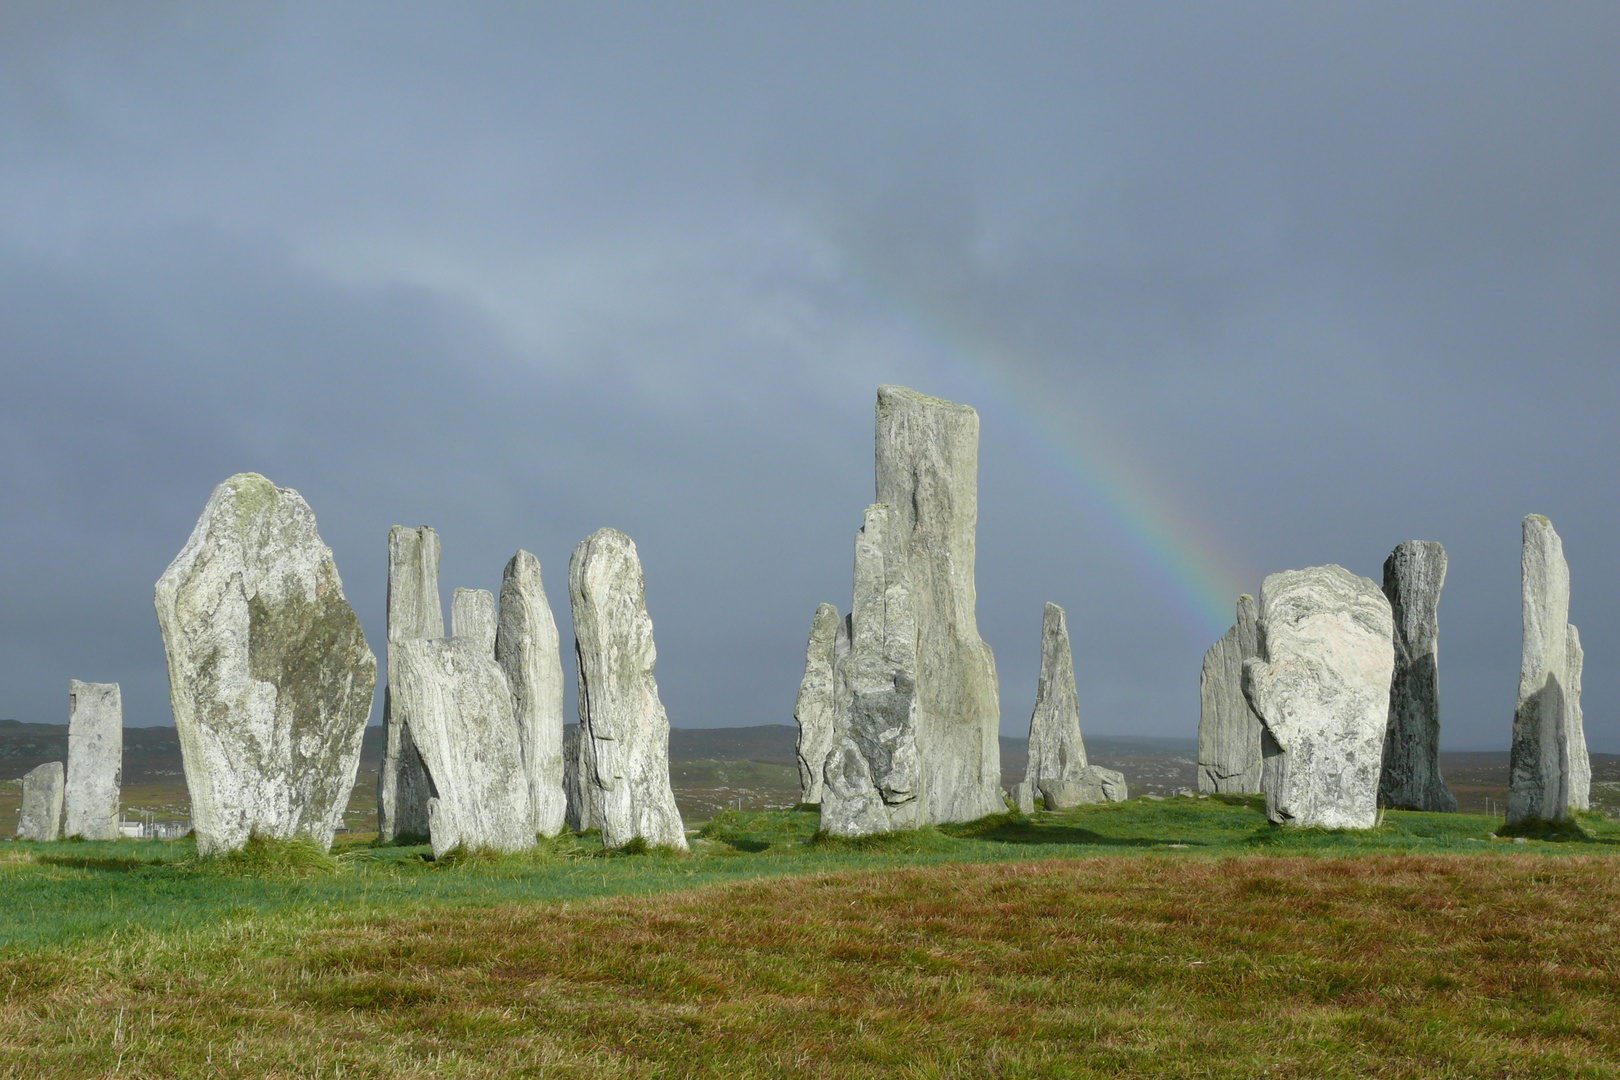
x,y
1236,288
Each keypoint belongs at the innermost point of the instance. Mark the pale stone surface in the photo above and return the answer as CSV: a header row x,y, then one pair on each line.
x,y
927,464
1023,797
1229,758
816,707
1321,687
95,760
1092,784
473,615
414,612
873,778
582,796
624,744
1410,779
1549,771
270,677
455,699
527,647
41,817
1056,751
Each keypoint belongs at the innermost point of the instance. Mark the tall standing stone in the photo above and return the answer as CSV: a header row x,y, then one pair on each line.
x,y
269,673
41,817
1057,755
816,708
527,648
1413,576
927,464
1321,687
624,747
1229,731
473,615
95,760
1549,771
414,612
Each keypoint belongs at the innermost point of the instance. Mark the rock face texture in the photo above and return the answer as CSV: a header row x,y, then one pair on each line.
x,y
816,708
1550,773
1023,797
95,760
1410,780
527,648
580,794
1321,686
41,818
1094,785
1229,758
1056,751
413,612
269,673
624,742
473,615
455,699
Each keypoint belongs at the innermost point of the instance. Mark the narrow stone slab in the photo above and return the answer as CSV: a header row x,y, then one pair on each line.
x,y
584,804
95,760
527,648
1056,751
624,746
1549,770
270,677
1093,784
1229,758
456,701
473,615
1321,687
1023,797
414,612
1410,779
41,817
816,707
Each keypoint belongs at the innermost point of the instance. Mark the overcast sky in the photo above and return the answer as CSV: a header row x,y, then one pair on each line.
x,y
1235,288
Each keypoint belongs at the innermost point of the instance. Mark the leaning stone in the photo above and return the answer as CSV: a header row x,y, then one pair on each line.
x,y
1056,751
473,615
1321,686
455,699
269,674
625,737
1410,779
1092,785
816,707
1229,757
413,612
41,817
1549,770
527,647
1023,797
95,760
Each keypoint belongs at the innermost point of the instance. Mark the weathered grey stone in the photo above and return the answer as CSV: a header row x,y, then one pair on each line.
x,y
269,674
41,817
413,612
1549,770
1056,751
816,708
456,701
527,647
1023,797
1410,779
473,615
584,801
1093,784
927,459
1229,758
95,760
873,778
624,744
1321,687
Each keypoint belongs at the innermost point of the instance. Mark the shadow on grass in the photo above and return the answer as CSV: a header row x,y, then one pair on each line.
x,y
1017,829
1556,832
106,863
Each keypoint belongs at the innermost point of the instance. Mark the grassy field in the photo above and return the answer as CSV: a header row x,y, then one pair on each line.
x,y
1176,938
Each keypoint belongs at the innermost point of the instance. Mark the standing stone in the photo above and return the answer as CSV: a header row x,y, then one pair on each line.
x,y
1056,751
455,699
584,801
1023,797
1549,771
527,648
1321,687
95,760
413,612
41,818
269,673
817,705
1413,576
1229,758
624,744
927,464
473,615
873,779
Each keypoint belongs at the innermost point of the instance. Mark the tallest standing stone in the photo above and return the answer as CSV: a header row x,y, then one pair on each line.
x,y
1413,576
414,613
